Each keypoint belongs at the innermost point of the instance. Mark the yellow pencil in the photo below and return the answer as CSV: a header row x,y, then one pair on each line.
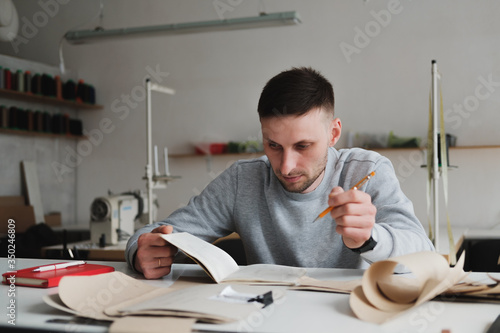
x,y
355,187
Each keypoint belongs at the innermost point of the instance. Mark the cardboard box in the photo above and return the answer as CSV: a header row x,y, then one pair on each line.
x,y
12,201
53,219
24,217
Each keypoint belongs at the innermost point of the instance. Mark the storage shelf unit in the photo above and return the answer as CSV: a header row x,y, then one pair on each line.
x,y
41,134
32,98
22,96
214,155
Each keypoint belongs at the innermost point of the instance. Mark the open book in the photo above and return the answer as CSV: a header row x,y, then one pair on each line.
x,y
221,267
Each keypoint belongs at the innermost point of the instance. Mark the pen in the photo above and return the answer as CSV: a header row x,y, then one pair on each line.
x,y
58,266
355,187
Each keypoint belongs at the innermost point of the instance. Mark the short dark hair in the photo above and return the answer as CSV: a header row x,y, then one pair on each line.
x,y
295,92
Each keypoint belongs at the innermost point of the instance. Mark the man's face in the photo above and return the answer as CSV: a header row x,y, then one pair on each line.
x,y
297,147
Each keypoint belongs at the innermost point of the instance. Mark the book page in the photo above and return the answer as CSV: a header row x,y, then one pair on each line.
x,y
267,274
215,261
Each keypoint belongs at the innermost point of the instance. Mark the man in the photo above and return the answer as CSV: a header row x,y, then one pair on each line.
x,y
272,201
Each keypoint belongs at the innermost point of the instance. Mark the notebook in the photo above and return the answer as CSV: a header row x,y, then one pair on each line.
x,y
50,276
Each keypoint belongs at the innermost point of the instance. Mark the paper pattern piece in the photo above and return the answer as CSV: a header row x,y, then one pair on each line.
x,y
115,295
383,295
221,267
191,300
89,296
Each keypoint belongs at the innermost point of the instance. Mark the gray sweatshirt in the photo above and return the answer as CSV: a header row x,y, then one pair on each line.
x,y
276,225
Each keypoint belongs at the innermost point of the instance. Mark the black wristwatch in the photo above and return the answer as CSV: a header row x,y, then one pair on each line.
x,y
367,246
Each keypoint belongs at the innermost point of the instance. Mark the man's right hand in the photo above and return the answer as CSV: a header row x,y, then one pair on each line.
x,y
154,256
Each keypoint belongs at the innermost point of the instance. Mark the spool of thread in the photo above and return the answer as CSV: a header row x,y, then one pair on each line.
x,y
20,81
57,124
58,85
47,122
22,119
4,116
48,86
66,124
92,98
69,90
30,120
86,93
80,91
13,83
27,82
36,84
38,121
8,79
2,83
13,117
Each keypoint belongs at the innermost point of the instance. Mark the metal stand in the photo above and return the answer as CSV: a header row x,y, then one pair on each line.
x,y
435,168
155,181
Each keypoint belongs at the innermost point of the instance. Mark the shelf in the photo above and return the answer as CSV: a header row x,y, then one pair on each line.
x,y
22,96
374,149
395,149
216,155
477,147
451,148
41,134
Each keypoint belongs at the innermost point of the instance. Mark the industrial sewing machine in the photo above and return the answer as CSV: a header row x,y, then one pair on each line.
x,y
116,217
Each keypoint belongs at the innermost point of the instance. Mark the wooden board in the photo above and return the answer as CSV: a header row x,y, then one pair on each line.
x,y
32,189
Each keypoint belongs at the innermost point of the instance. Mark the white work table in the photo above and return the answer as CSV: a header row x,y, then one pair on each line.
x,y
298,311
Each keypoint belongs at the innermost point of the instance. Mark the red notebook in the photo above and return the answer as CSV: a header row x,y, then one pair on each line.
x,y
50,275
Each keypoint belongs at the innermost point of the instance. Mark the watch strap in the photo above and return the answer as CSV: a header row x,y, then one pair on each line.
x,y
367,246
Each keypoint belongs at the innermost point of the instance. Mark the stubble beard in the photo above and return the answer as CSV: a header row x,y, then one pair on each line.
x,y
308,182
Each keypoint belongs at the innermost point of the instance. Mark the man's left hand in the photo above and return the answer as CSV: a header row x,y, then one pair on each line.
x,y
354,214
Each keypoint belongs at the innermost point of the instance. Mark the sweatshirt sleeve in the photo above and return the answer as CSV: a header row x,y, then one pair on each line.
x,y
208,215
397,230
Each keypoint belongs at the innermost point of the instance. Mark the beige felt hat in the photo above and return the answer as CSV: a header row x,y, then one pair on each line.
x,y
9,21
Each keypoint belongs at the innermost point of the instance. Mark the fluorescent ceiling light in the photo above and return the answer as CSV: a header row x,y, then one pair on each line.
x,y
263,20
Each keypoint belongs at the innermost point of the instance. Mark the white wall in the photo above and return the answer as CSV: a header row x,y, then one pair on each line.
x,y
218,76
